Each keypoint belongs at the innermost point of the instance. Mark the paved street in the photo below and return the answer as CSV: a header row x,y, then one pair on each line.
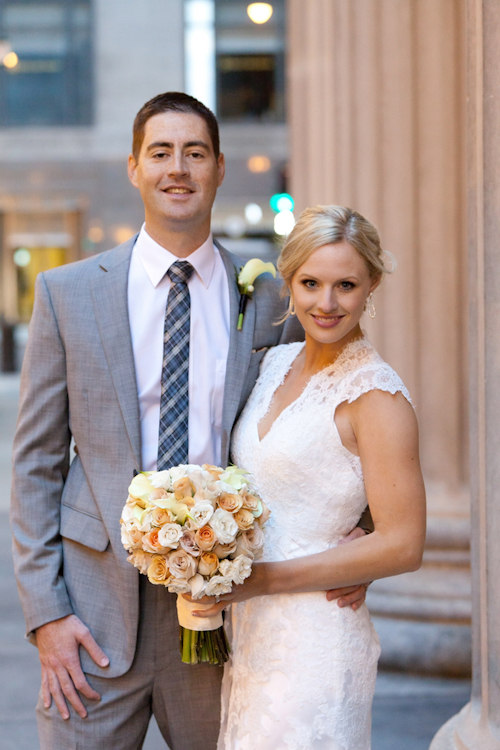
x,y
408,710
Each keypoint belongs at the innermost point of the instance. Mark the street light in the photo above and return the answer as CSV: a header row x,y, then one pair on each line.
x,y
260,12
10,60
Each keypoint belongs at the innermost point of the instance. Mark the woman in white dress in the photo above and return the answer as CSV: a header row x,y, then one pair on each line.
x,y
328,428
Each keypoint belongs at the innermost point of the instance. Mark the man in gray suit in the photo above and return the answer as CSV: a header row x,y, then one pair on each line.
x,y
109,365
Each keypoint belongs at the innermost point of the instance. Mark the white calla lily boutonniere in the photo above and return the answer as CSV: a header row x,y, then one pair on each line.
x,y
245,280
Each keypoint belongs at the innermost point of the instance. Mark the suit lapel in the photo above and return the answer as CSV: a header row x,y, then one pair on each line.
x,y
109,293
240,349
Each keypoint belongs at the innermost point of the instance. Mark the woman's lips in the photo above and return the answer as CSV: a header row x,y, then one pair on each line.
x,y
329,321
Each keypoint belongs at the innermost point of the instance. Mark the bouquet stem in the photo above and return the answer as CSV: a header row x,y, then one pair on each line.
x,y
197,646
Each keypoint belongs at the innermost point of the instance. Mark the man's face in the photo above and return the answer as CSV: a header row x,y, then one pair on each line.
x,y
176,171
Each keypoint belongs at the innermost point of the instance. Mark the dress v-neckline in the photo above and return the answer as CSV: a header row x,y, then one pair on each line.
x,y
341,356
269,404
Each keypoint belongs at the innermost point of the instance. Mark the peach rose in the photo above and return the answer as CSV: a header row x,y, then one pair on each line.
x,y
151,542
264,515
244,519
161,516
205,538
183,488
208,564
215,471
252,503
158,571
231,503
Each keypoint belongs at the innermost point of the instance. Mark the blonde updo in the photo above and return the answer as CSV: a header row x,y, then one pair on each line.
x,y
327,225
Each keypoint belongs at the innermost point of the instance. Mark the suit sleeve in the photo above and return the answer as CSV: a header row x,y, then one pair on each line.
x,y
40,467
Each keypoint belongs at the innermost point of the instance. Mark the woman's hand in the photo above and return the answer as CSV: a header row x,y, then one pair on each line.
x,y
255,585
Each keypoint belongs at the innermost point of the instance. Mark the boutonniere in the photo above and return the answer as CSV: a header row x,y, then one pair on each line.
x,y
245,280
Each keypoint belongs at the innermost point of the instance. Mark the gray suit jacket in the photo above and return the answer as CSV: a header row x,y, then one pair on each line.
x,y
78,380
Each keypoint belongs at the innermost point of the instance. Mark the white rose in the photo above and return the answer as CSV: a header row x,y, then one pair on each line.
x,y
131,537
169,535
224,526
197,586
224,550
177,472
179,586
242,567
218,585
161,480
202,513
140,560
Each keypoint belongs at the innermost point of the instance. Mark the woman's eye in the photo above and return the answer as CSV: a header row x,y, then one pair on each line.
x,y
309,283
346,285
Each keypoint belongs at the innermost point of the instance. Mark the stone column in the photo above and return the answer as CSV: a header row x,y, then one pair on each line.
x,y
377,122
478,724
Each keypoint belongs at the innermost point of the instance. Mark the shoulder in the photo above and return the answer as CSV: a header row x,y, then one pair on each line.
x,y
86,269
366,372
265,285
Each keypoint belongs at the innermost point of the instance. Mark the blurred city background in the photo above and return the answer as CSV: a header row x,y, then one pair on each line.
x,y
356,102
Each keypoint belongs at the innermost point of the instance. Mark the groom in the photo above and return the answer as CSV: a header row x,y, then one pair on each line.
x,y
135,355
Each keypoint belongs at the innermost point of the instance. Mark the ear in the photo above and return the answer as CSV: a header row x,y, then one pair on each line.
x,y
132,170
221,169
375,282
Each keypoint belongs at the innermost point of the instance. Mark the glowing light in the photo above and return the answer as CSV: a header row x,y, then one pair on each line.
x,y
284,222
253,213
122,234
282,202
234,226
10,60
22,257
259,164
260,12
96,234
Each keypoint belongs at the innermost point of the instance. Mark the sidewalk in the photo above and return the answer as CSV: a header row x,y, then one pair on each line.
x,y
407,710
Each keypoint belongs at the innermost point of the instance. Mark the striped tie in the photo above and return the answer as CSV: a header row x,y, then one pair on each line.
x,y
173,439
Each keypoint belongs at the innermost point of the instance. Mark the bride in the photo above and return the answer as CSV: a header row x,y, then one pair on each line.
x,y
328,428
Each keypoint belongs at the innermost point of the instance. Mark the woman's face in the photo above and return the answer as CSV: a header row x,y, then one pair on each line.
x,y
329,291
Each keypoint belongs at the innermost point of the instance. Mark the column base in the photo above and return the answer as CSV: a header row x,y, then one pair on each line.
x,y
461,732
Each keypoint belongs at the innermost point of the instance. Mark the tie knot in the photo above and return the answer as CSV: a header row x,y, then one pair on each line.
x,y
180,272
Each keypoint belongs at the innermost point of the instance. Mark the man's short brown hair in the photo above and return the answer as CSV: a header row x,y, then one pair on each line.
x,y
174,101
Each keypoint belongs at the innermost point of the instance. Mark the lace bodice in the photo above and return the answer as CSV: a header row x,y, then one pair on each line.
x,y
301,464
303,670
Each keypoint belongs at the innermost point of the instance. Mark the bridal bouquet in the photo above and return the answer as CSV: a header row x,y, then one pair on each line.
x,y
196,530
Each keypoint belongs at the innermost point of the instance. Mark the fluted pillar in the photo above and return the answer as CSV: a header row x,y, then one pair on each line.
x,y
477,726
377,122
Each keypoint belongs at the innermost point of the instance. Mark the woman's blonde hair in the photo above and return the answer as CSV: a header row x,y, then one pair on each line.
x,y
327,225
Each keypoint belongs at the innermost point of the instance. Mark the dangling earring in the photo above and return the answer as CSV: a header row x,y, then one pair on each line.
x,y
291,306
369,306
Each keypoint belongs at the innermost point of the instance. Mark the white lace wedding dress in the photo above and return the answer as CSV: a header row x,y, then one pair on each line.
x,y
302,673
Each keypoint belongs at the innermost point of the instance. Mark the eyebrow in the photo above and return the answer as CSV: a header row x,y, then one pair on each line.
x,y
168,144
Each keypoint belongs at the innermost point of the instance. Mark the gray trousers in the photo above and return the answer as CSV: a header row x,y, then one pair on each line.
x,y
185,699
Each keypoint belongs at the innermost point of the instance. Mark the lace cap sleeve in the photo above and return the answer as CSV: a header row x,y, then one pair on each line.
x,y
375,376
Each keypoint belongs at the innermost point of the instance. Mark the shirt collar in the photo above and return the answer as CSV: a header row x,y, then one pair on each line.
x,y
157,259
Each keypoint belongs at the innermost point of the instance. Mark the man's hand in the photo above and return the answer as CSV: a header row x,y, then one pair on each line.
x,y
350,596
62,674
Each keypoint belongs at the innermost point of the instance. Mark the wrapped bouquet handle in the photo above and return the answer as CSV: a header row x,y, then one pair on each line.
x,y
201,638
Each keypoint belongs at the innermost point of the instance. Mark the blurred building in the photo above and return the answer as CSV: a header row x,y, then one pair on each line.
x,y
74,74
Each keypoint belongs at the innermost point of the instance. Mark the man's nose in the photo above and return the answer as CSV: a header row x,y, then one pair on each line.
x,y
178,164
